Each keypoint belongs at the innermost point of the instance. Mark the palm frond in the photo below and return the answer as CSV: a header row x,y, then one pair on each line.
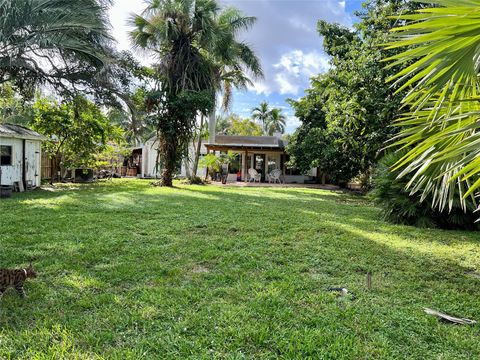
x,y
441,131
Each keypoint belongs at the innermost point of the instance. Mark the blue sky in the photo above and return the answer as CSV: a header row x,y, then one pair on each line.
x,y
284,37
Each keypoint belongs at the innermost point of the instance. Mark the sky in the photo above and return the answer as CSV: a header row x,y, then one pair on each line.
x,y
284,37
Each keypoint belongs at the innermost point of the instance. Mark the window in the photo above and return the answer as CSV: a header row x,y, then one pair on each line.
x,y
236,165
5,155
272,162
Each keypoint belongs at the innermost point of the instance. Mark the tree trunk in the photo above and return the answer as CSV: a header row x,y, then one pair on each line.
x,y
168,170
168,154
55,167
199,147
167,177
54,170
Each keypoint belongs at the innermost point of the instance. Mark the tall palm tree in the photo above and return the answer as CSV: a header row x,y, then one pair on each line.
x,y
196,47
177,33
234,62
53,42
441,80
261,113
275,122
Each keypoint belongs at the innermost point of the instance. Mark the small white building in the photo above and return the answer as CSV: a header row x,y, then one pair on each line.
x,y
262,153
20,155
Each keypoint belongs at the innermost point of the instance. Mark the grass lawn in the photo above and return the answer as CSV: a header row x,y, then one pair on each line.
x,y
129,271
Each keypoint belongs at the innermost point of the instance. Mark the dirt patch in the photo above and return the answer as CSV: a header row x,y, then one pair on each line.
x,y
200,269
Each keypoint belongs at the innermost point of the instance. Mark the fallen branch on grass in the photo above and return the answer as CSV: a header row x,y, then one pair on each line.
x,y
449,318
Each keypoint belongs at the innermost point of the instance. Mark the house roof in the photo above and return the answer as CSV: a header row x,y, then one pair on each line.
x,y
272,142
19,132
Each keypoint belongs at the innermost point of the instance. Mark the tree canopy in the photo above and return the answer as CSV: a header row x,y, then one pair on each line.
x,y
347,112
58,43
76,131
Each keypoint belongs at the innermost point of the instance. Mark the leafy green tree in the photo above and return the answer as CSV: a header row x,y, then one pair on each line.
x,y
53,42
245,127
439,68
13,109
349,110
111,156
235,125
76,132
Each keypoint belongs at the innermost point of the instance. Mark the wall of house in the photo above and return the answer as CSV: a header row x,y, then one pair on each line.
x,y
13,173
149,159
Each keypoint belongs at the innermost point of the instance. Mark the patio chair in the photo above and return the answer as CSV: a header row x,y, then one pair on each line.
x,y
274,176
254,175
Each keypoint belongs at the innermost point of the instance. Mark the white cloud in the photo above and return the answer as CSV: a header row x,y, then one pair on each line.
x,y
260,87
295,69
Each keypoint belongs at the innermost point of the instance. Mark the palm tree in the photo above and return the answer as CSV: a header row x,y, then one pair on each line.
x,y
197,50
54,42
233,61
275,122
441,77
261,113
176,33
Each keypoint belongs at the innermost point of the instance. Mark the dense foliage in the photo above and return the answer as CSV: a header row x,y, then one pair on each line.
x,y
13,108
77,131
235,125
400,206
346,113
441,132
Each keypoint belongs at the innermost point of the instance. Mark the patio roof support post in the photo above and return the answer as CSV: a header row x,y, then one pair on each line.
x,y
246,166
206,170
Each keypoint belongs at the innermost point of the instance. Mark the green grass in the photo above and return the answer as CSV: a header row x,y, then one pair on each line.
x,y
129,271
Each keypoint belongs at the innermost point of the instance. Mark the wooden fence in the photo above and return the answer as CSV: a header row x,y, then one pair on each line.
x,y
47,166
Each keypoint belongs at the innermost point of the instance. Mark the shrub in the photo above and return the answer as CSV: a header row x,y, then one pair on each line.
x,y
401,207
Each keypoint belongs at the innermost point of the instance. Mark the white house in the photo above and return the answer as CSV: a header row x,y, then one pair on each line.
x,y
262,153
20,155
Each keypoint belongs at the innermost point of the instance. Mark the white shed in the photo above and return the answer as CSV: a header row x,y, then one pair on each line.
x,y
20,155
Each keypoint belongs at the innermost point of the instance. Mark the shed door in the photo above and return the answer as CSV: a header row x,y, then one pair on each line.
x,y
32,158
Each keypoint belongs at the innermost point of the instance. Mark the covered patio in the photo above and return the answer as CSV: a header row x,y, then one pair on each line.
x,y
264,154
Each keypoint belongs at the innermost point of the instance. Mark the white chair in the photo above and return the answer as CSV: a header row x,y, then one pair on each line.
x,y
254,175
274,176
